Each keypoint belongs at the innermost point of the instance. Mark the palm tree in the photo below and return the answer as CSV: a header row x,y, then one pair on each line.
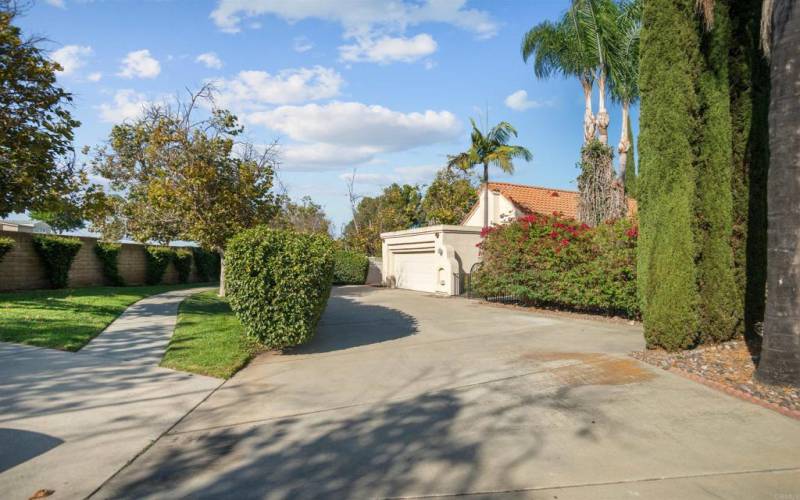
x,y
487,149
560,48
780,352
624,72
596,24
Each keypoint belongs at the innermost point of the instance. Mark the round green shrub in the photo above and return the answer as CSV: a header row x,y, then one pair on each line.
x,y
183,264
6,244
158,258
57,254
206,263
278,283
108,253
350,268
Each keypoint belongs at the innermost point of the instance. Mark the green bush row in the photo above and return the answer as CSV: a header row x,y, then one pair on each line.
x,y
6,244
108,253
349,268
278,283
57,254
206,263
552,261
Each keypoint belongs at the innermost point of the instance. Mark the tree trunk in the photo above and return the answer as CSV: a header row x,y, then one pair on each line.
x,y
588,116
602,115
624,144
486,195
221,272
780,352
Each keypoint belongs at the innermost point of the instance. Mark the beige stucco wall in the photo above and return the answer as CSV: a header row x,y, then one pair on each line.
x,y
501,210
451,249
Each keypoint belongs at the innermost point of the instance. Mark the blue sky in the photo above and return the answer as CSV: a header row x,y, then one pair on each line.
x,y
384,87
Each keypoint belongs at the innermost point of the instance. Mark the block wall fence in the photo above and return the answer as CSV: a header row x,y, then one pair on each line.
x,y
21,268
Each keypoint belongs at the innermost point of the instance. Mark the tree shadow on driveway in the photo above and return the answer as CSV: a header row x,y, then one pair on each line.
x,y
348,323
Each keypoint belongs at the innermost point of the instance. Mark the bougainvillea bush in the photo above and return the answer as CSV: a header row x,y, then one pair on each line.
x,y
553,261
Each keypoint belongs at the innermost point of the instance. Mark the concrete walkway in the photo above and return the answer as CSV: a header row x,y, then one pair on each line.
x,y
142,333
69,421
407,395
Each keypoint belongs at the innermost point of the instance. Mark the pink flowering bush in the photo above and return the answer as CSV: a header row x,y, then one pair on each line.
x,y
553,261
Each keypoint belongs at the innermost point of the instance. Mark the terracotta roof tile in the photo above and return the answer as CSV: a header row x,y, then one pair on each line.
x,y
544,200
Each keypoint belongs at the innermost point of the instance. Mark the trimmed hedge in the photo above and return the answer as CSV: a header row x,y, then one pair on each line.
x,y
349,268
158,258
278,283
182,258
207,264
108,253
6,244
57,254
550,261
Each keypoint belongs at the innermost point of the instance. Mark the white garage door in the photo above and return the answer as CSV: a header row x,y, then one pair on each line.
x,y
415,271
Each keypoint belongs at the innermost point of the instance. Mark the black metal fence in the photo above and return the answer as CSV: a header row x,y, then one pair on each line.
x,y
469,290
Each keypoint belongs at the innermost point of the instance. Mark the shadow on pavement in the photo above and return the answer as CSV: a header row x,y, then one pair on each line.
x,y
20,446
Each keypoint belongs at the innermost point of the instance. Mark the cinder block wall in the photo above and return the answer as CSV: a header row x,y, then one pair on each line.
x,y
21,268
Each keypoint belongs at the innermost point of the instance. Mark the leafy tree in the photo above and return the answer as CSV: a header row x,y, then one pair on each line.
x,y
36,127
780,354
396,208
187,176
304,217
491,148
449,198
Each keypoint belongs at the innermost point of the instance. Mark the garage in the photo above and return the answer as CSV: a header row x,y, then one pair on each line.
x,y
415,271
429,259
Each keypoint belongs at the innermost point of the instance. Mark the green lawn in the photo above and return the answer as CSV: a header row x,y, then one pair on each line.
x,y
208,340
67,319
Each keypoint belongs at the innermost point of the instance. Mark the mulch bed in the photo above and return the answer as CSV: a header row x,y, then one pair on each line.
x,y
728,367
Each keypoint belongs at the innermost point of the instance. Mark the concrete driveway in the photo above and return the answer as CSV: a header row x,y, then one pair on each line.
x,y
407,395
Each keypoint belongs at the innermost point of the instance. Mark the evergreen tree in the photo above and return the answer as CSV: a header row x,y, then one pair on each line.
x,y
666,268
713,203
749,94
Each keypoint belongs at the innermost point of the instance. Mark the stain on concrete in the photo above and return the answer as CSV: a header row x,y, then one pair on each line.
x,y
579,368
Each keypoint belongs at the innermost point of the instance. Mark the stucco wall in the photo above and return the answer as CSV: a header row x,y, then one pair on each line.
x,y
500,210
21,268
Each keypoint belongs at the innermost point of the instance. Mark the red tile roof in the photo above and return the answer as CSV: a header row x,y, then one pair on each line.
x,y
544,200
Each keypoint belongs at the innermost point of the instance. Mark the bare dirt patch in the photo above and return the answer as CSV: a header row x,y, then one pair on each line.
x,y
592,368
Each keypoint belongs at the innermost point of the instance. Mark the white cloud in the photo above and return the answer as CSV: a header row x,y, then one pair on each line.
x,y
387,49
420,174
518,101
357,124
57,3
251,90
139,64
72,57
210,60
128,105
358,16
349,133
302,44
320,155
95,77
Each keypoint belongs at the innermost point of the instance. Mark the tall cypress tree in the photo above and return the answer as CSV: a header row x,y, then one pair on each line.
x,y
667,249
749,94
713,202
